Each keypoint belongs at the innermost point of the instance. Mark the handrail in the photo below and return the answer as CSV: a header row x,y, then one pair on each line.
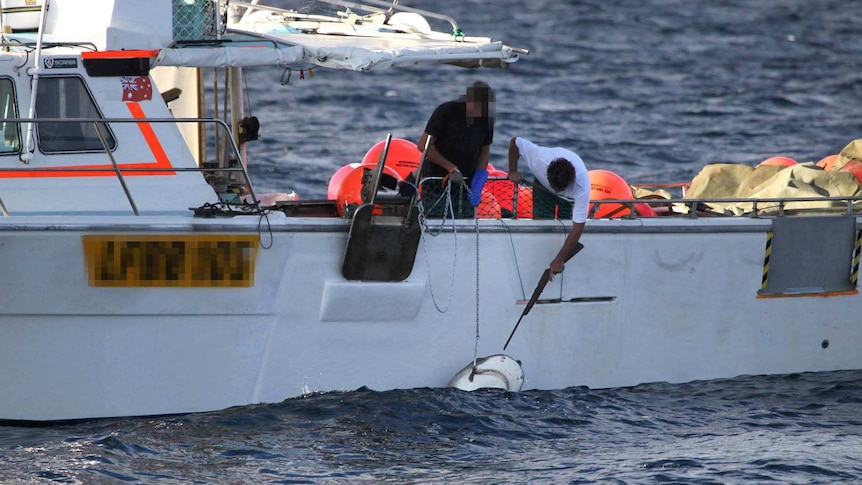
x,y
50,45
388,7
692,204
220,124
117,168
367,5
37,70
293,13
758,204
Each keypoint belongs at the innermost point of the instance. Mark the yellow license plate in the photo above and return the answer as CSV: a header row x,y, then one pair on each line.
x,y
171,261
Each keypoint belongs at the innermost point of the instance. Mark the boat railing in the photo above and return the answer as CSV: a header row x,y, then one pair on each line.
x,y
9,44
700,207
511,201
372,6
232,171
293,14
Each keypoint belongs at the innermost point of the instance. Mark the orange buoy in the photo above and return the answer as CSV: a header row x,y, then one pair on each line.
x,y
350,190
785,161
403,156
337,179
644,210
854,167
605,185
504,193
525,202
827,162
488,207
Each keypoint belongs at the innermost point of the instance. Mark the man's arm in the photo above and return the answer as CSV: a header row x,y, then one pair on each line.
x,y
437,158
558,264
434,155
514,156
484,157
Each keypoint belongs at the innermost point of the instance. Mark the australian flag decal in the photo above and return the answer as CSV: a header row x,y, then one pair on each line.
x,y
137,88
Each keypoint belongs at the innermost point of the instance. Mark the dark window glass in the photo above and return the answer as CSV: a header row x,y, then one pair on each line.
x,y
66,97
11,141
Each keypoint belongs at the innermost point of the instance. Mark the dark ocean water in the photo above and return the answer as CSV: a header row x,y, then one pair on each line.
x,y
651,90
783,429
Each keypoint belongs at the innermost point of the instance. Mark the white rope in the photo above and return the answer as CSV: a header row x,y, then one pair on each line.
x,y
515,257
423,224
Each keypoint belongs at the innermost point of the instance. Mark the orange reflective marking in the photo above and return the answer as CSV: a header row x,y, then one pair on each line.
x,y
825,294
161,159
120,54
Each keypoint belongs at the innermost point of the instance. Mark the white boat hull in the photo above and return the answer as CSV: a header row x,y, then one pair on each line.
x,y
103,313
645,301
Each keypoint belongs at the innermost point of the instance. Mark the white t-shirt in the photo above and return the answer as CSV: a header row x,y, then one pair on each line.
x,y
538,159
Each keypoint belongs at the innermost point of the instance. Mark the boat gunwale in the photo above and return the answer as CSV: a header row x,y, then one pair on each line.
x,y
242,223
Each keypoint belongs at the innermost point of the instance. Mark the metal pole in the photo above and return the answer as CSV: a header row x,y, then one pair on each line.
x,y
117,168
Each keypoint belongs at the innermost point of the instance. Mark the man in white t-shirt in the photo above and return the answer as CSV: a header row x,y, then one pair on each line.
x,y
561,172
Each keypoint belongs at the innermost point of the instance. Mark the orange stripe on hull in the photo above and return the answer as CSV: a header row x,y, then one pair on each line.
x,y
161,162
824,294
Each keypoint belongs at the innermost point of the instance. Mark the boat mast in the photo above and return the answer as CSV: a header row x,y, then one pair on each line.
x,y
37,68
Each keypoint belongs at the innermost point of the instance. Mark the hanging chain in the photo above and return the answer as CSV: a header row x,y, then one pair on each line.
x,y
423,222
476,347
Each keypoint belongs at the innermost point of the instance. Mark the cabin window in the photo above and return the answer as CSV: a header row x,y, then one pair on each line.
x,y
11,131
67,97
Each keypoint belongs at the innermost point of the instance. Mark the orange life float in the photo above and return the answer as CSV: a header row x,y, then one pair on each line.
x,y
504,191
337,179
645,210
488,207
854,167
785,161
350,189
827,162
403,156
605,185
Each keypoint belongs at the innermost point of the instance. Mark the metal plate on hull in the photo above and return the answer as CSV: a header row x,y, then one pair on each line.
x,y
380,248
809,255
170,260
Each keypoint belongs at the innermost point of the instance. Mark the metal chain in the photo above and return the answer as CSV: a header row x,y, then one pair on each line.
x,y
476,347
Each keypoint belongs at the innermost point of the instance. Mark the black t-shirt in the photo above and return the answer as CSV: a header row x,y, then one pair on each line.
x,y
456,139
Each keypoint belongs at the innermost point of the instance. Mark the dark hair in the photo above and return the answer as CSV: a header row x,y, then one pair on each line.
x,y
561,173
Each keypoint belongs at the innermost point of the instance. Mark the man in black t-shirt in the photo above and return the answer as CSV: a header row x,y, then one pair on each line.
x,y
462,132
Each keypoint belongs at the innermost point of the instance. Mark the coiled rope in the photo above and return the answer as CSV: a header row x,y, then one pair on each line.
x,y
448,212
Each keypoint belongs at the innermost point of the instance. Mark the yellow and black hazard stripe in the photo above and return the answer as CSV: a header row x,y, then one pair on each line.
x,y
854,274
765,278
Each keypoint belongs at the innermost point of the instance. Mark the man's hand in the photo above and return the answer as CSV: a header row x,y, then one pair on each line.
x,y
516,176
455,176
556,267
558,264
